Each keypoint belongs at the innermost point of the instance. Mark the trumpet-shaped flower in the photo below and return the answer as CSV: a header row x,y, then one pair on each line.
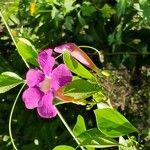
x,y
77,53
43,83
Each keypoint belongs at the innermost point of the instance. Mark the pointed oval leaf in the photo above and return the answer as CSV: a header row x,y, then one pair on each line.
x,y
79,126
9,80
112,123
76,67
95,138
27,51
12,75
75,90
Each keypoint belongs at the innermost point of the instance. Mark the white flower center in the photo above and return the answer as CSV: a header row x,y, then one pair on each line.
x,y
45,85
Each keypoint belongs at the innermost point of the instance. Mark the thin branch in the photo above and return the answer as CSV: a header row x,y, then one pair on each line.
x,y
68,128
4,21
10,117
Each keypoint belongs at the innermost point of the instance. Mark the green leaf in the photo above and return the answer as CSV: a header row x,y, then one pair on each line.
x,y
112,123
81,19
63,147
11,74
79,126
27,51
76,67
80,89
9,80
95,138
87,9
54,12
68,5
68,23
146,10
121,6
107,11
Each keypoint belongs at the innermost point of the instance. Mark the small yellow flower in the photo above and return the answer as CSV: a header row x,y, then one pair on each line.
x,y
32,8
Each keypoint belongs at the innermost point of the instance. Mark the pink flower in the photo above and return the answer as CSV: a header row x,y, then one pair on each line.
x,y
77,53
43,84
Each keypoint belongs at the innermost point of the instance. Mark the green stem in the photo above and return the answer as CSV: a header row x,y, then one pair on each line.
x,y
117,53
101,57
68,128
58,56
4,21
10,117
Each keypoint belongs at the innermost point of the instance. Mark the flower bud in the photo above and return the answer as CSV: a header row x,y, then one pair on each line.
x,y
77,53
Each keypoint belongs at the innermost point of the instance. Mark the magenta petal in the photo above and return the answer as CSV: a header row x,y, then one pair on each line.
x,y
34,77
31,97
64,47
46,108
46,61
60,77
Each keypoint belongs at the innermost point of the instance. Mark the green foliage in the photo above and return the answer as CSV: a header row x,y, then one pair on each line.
x,y
27,51
94,138
112,123
5,6
121,6
63,147
119,29
9,80
76,67
79,126
68,5
107,11
146,12
74,89
87,9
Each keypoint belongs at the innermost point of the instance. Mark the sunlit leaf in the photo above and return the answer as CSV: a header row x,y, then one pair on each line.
x,y
27,51
9,80
112,123
76,67
95,138
68,5
80,89
79,126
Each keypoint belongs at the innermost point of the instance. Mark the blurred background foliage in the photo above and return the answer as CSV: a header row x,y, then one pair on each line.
x,y
120,29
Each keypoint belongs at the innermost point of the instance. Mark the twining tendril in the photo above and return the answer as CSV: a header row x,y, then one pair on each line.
x,y
11,114
100,54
